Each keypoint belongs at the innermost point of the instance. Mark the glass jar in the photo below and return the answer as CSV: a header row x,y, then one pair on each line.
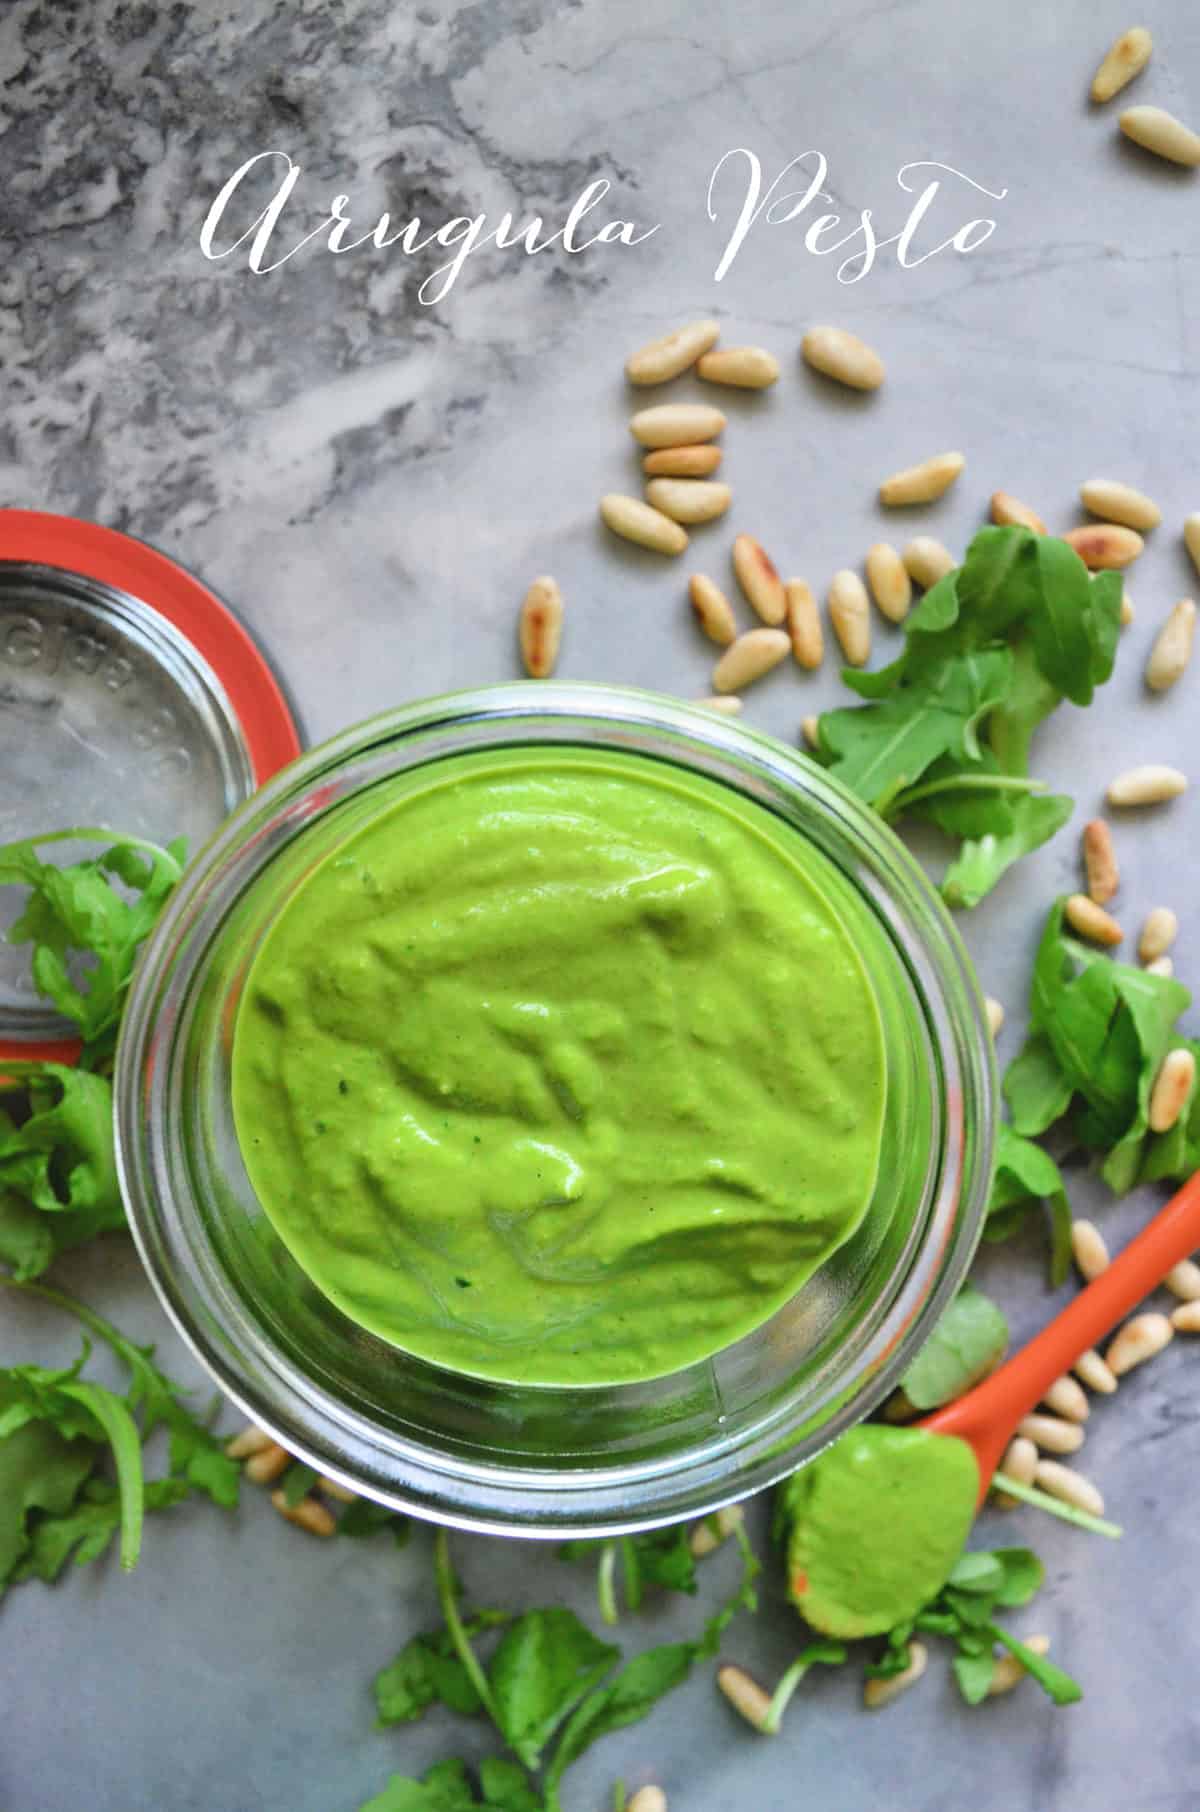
x,y
539,1460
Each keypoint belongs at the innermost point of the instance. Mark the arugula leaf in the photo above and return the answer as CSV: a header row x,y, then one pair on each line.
x,y
41,1472
195,1454
1053,1680
1099,1031
83,1532
297,1482
1025,1176
364,1517
945,733
973,1670
76,1410
77,911
1035,1087
56,1160
879,750
628,1697
963,1611
637,1687
966,1344
547,1660
1036,818
447,1788
426,1672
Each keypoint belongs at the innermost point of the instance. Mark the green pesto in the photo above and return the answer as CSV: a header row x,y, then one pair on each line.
x,y
875,1525
564,1068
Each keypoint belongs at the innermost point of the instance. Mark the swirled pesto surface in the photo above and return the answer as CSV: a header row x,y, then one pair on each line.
x,y
564,1069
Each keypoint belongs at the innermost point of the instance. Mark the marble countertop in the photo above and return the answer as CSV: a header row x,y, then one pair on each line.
x,y
373,480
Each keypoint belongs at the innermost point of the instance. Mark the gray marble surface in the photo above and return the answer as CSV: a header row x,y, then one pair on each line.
x,y
374,482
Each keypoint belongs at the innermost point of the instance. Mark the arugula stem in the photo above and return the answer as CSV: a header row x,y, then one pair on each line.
x,y
964,783
781,1697
104,1330
606,1583
448,1599
122,1432
1054,1506
91,834
632,1568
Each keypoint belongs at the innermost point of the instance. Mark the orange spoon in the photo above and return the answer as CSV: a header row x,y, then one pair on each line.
x,y
986,1418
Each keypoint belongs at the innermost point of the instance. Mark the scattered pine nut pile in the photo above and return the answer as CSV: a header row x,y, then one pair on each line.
x,y
680,458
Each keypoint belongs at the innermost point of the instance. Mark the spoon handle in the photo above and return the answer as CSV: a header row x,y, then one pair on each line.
x,y
987,1415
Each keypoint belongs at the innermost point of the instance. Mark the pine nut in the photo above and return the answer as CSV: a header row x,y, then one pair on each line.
x,y
1123,60
1183,1280
308,1514
1019,1463
759,579
1156,130
635,521
248,1442
705,1539
744,1694
541,628
1172,1089
877,1693
745,367
747,659
341,1494
714,612
1089,1248
921,484
1066,1399
1051,1434
676,424
1172,648
1069,1486
1136,1342
1126,610
1008,1671
682,462
1100,861
850,615
1149,785
729,706
1105,546
843,357
1091,1368
1186,1318
1191,538
1009,511
647,1799
891,586
1091,921
1162,965
926,561
1116,502
1158,933
689,499
264,1467
995,1015
804,624
810,729
672,353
